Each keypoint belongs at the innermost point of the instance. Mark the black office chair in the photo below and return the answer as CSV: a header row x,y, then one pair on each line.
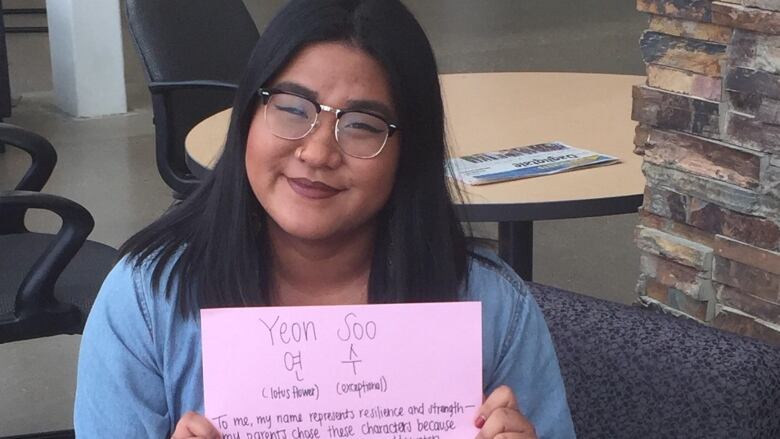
x,y
194,51
47,282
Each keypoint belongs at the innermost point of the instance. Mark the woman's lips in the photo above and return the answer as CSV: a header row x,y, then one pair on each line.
x,y
311,189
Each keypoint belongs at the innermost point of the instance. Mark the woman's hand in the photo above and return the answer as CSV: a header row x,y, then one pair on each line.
x,y
500,417
195,426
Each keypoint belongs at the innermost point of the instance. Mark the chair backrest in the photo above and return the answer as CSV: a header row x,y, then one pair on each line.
x,y
633,372
189,40
181,40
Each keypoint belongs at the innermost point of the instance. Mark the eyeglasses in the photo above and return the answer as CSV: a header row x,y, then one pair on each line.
x,y
292,117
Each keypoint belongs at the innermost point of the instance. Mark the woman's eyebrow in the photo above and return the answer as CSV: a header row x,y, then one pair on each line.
x,y
371,106
357,104
294,87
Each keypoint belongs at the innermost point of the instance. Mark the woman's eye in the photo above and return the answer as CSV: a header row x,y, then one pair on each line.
x,y
294,111
361,126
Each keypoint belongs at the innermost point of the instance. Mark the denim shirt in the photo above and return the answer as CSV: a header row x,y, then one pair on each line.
x,y
140,366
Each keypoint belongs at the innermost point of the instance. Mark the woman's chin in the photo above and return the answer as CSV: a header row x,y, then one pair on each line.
x,y
312,235
308,232
326,230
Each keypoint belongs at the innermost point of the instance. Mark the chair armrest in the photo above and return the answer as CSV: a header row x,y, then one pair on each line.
x,y
36,292
43,156
160,87
171,159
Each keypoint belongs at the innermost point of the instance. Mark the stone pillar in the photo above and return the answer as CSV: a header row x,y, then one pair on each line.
x,y
85,39
709,131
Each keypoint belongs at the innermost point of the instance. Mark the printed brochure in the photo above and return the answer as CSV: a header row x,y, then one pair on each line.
x,y
523,162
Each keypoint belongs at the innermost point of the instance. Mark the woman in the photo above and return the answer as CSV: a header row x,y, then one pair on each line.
x,y
331,190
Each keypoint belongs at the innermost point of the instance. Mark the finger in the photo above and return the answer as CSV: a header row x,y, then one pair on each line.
x,y
194,425
507,423
514,436
501,397
505,420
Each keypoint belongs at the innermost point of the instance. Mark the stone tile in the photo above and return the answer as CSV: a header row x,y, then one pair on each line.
x,y
747,254
704,157
759,20
677,300
667,225
734,320
755,306
754,51
684,82
770,187
680,277
700,221
751,133
698,10
674,248
753,230
666,203
672,111
746,80
641,135
687,54
749,279
770,5
713,191
690,29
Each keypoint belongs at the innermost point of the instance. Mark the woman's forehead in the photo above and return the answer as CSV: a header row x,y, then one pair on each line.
x,y
337,67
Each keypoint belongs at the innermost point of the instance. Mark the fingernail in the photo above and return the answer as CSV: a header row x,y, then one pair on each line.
x,y
480,422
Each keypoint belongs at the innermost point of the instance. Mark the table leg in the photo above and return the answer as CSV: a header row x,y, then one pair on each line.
x,y
516,246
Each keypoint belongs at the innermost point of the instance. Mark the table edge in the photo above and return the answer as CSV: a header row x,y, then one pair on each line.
x,y
549,210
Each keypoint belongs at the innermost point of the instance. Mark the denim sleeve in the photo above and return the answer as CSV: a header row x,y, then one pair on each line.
x,y
520,352
119,389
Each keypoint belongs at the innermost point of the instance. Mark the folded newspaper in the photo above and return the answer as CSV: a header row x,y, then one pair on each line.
x,y
523,162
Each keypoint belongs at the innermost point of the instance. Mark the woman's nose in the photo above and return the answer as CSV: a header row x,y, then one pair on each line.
x,y
320,148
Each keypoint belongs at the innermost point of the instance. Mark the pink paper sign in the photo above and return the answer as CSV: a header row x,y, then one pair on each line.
x,y
406,371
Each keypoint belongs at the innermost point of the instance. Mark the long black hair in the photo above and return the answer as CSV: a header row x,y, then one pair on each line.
x,y
214,243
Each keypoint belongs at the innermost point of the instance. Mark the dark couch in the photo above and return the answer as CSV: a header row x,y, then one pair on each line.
x,y
632,372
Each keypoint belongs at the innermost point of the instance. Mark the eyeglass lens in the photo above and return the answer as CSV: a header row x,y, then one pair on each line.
x,y
358,134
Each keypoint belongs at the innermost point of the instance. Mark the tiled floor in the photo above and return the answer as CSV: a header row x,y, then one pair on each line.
x,y
107,163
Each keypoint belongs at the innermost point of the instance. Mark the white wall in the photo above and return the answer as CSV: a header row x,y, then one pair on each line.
x,y
85,40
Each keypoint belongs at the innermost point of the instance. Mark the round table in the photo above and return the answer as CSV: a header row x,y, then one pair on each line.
x,y
489,111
